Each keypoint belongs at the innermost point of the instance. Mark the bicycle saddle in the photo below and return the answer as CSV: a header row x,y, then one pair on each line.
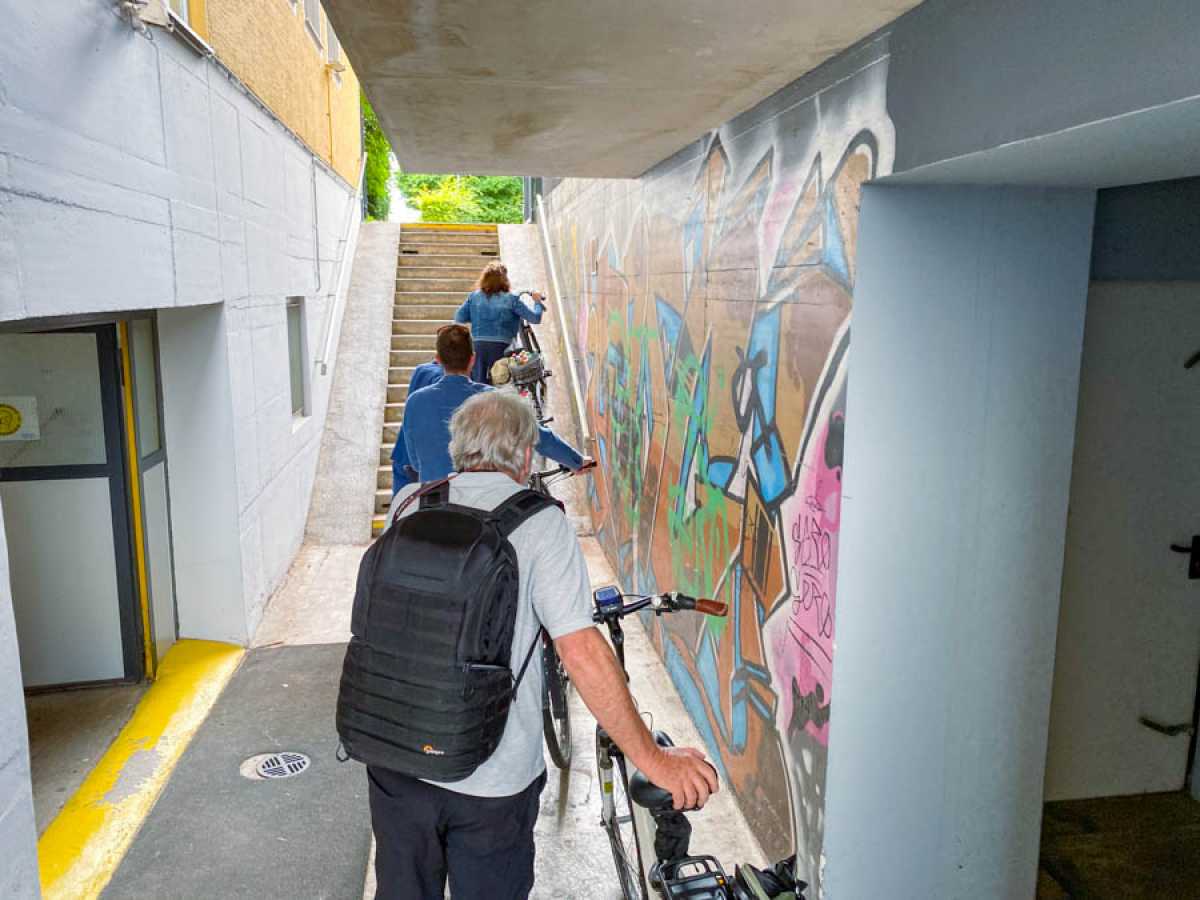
x,y
645,792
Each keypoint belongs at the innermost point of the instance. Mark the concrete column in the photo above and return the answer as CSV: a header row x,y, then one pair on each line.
x,y
964,367
202,471
18,832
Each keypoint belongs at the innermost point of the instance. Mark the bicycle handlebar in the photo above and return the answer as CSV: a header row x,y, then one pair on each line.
x,y
668,602
717,608
588,464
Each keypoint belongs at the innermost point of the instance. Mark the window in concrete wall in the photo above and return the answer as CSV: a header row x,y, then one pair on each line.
x,y
312,18
297,354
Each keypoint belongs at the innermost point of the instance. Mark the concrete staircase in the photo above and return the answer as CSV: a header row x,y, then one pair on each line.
x,y
437,267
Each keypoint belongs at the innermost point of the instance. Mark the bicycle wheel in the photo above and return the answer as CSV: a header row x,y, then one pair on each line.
x,y
622,833
556,712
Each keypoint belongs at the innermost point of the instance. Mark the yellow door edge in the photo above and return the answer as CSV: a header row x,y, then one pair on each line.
x,y
81,849
133,460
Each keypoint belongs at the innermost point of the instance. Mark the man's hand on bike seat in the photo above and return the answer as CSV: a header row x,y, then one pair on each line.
x,y
684,772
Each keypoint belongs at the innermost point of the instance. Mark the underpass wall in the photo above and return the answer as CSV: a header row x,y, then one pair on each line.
x,y
711,301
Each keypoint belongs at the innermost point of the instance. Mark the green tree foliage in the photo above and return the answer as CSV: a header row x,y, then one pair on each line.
x,y
377,148
464,198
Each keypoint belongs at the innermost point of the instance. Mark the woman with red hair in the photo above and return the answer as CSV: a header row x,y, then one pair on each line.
x,y
494,314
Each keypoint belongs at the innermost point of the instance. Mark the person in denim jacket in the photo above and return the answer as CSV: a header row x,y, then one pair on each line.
x,y
494,314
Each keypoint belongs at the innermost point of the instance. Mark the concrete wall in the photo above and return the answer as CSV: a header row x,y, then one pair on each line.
x,y
268,45
18,833
968,75
1148,232
142,176
710,302
969,313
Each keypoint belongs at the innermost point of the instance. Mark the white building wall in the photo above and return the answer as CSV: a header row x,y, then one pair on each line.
x,y
137,174
18,834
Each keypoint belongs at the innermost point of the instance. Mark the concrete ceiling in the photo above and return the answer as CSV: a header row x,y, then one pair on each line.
x,y
580,87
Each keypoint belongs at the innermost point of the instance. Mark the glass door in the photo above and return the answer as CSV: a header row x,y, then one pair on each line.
x,y
153,541
63,489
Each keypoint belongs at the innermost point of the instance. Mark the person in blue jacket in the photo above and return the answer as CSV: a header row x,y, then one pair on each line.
x,y
423,375
494,314
426,429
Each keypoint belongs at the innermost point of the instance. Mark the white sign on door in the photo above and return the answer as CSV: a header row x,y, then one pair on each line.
x,y
19,419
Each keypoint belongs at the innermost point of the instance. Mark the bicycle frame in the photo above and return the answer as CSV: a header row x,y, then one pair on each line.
x,y
644,827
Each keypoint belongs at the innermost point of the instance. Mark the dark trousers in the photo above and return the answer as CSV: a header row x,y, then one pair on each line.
x,y
424,833
486,353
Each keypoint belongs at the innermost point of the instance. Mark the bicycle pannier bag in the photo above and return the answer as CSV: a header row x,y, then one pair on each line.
x,y
426,684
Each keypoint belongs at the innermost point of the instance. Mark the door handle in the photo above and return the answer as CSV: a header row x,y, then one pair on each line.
x,y
1168,730
1194,553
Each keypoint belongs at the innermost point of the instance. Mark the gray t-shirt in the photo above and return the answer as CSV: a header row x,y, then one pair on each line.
x,y
555,593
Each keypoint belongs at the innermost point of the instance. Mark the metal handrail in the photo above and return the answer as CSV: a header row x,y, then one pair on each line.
x,y
580,410
338,293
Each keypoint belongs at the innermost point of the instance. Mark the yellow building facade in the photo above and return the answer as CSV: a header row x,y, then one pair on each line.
x,y
286,52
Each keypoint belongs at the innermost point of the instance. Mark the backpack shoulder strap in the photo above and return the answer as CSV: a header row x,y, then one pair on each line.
x,y
519,507
437,495
439,488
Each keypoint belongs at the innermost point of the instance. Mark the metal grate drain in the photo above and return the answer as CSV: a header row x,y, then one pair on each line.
x,y
282,765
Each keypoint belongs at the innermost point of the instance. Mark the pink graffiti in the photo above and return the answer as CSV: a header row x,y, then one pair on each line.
x,y
800,633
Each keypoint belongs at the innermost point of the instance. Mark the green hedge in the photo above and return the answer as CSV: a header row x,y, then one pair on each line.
x,y
377,148
464,198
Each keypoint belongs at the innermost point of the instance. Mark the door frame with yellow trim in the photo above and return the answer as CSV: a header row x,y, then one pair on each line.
x,y
134,448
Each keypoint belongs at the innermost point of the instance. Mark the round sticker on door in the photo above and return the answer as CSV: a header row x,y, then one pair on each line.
x,y
10,420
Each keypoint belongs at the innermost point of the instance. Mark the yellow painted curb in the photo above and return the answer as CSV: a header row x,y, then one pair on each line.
x,y
81,849
445,226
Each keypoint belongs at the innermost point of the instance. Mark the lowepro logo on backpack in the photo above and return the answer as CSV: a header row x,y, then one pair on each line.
x,y
427,680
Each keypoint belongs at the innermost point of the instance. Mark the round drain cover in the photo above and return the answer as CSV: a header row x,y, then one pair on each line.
x,y
282,765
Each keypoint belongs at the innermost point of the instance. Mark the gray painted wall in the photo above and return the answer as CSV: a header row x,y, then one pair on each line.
x,y
967,75
963,388
1148,232
18,834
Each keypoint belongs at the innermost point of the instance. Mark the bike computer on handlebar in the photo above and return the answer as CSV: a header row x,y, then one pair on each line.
x,y
608,599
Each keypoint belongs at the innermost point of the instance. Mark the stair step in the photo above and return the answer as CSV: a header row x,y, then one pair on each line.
x,y
393,413
406,273
391,433
397,393
424,342
409,359
383,477
377,523
400,376
420,247
468,238
473,261
383,499
439,315
453,299
459,286
424,327
385,455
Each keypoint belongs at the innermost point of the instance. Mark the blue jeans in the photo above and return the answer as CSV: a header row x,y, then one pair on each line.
x,y
486,353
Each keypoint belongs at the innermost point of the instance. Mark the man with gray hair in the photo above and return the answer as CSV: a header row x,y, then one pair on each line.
x,y
479,830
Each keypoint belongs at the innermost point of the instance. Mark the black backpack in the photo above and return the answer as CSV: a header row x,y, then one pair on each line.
x,y
426,683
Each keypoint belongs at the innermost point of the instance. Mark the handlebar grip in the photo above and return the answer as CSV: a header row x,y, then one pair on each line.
x,y
712,607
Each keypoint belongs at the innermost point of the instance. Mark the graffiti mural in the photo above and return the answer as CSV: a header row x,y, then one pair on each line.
x,y
711,305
